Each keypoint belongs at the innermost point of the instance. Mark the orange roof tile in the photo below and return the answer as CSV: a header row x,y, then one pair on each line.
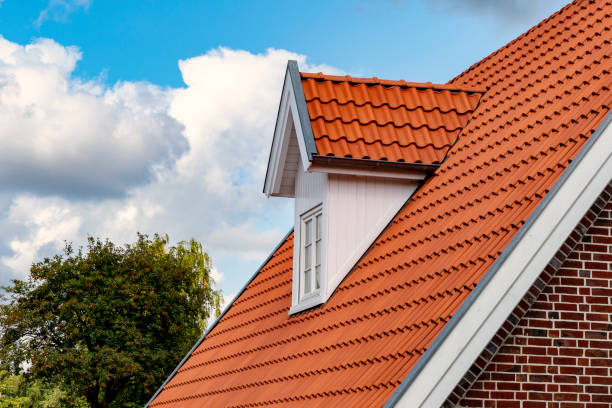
x,y
548,90
368,118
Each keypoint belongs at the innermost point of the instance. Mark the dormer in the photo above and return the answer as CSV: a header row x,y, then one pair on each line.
x,y
351,152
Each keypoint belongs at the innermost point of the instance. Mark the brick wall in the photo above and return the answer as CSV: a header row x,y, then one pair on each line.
x,y
558,352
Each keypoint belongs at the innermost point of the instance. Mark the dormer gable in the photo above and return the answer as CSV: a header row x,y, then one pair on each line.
x,y
351,152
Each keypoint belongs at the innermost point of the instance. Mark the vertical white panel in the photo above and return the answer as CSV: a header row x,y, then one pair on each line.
x,y
358,209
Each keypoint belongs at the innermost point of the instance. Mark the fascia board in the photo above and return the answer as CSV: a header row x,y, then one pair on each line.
x,y
292,106
397,174
301,110
218,319
272,172
462,340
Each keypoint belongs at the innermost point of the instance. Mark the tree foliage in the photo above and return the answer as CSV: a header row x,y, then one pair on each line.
x,y
110,321
20,391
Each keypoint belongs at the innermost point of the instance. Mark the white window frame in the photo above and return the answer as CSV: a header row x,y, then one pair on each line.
x,y
314,245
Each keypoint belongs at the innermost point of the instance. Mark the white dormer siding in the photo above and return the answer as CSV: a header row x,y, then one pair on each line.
x,y
359,208
355,210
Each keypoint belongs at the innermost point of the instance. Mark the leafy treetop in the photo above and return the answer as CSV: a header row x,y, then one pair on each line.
x,y
110,321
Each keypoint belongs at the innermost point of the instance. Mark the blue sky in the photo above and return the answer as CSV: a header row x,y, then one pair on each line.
x,y
143,40
156,116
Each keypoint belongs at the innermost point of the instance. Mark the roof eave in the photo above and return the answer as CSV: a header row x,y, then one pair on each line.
x,y
369,164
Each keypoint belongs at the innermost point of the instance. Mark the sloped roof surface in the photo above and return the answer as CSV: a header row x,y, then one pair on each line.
x,y
547,92
368,118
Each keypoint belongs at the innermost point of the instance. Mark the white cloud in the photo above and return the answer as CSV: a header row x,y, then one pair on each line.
x,y
48,222
59,10
253,245
188,162
506,12
64,136
216,275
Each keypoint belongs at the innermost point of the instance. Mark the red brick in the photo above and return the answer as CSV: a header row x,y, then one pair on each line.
x,y
534,404
596,370
602,398
565,397
574,352
502,395
546,396
596,389
602,380
565,379
508,404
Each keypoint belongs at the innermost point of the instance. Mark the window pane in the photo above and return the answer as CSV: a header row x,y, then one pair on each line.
x,y
307,283
308,232
318,253
317,277
308,257
319,226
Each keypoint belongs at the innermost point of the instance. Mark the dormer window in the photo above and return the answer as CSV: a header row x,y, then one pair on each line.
x,y
350,152
311,252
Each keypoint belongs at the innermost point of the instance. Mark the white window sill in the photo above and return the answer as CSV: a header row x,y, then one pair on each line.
x,y
311,301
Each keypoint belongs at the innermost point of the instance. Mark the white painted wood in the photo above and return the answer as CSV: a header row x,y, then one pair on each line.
x,y
401,174
358,209
287,145
542,237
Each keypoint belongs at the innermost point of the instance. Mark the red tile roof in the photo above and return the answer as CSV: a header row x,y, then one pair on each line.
x,y
369,118
548,90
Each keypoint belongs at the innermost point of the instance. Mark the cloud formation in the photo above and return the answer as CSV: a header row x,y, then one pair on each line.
x,y
111,161
65,136
505,10
59,10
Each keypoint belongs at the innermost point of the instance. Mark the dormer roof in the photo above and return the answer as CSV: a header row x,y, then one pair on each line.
x,y
394,128
376,119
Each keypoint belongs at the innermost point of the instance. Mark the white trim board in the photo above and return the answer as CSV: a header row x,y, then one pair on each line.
x,y
459,344
401,174
288,119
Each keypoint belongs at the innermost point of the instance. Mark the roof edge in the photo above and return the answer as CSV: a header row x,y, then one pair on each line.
x,y
480,287
300,100
390,82
369,164
278,111
218,319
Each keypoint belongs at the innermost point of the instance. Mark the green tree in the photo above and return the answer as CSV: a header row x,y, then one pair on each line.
x,y
111,322
19,391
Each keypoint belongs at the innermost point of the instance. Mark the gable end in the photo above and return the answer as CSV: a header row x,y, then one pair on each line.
x,y
556,343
